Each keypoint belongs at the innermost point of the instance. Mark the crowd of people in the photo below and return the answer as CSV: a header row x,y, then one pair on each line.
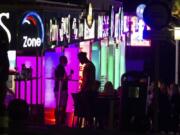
x,y
165,101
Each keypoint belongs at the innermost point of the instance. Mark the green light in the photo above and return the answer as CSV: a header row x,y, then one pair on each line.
x,y
111,63
103,65
96,58
117,68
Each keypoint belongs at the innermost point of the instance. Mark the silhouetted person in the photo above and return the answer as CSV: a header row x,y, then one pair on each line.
x,y
109,89
88,79
163,105
4,67
88,72
173,108
61,89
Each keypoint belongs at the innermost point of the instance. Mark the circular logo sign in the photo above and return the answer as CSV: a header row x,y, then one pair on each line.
x,y
32,31
157,15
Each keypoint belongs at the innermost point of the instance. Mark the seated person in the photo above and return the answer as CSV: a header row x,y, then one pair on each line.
x,y
109,89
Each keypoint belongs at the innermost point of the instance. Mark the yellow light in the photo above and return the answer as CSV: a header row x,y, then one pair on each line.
x,y
177,33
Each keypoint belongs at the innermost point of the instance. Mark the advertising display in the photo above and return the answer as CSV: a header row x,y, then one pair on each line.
x,y
7,23
137,26
31,31
81,28
112,22
64,30
53,32
103,27
74,29
89,24
89,33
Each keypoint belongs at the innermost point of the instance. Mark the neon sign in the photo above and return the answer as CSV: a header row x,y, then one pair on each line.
x,y
6,15
89,33
112,22
103,26
53,30
64,31
117,26
74,29
89,16
81,29
136,26
32,18
31,42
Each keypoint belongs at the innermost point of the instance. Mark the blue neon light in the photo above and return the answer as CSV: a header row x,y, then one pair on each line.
x,y
34,14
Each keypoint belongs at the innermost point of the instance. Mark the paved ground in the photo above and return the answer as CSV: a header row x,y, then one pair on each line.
x,y
52,130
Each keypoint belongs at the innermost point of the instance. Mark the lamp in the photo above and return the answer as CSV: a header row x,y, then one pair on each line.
x,y
177,38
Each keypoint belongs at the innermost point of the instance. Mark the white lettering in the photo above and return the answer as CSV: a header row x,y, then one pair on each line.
x,y
31,42
3,26
25,40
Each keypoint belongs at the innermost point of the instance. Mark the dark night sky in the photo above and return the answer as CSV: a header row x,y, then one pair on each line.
x,y
130,5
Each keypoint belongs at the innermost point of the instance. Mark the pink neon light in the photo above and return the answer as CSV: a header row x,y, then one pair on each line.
x,y
30,61
73,64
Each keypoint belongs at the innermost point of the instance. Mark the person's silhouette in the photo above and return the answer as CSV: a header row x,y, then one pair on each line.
x,y
61,90
4,66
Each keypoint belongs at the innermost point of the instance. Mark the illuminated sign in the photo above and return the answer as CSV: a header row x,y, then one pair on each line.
x,y
112,22
64,31
121,12
53,37
89,33
117,26
89,24
81,29
89,18
103,26
31,42
74,31
5,15
118,29
32,30
137,27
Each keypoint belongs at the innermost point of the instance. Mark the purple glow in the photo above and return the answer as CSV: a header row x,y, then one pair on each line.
x,y
73,63
52,60
29,61
58,49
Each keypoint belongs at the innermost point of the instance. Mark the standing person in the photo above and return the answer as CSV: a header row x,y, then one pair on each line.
x,y
88,80
61,90
4,67
89,72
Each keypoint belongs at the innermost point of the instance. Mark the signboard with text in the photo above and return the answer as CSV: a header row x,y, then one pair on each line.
x,y
103,27
89,24
7,23
31,31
